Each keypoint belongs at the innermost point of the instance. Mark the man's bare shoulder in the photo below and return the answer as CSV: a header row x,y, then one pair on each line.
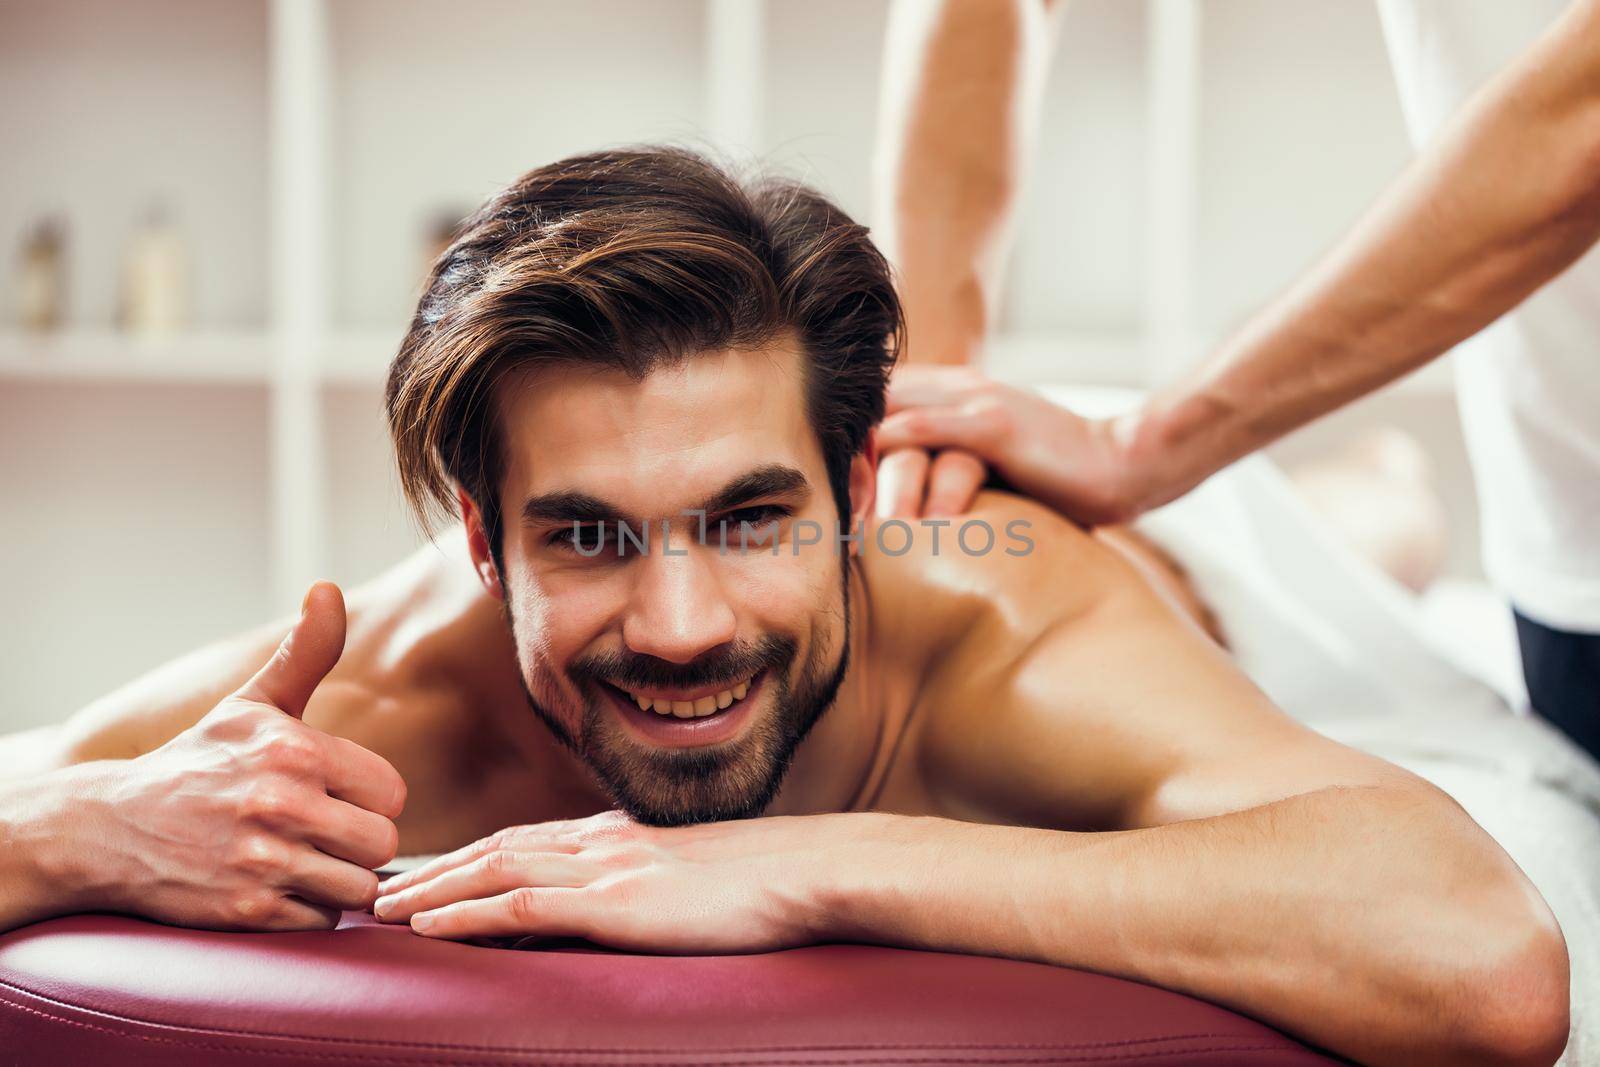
x,y
1005,570
421,635
1010,654
427,646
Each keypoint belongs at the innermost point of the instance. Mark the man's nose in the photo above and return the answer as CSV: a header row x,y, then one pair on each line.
x,y
677,610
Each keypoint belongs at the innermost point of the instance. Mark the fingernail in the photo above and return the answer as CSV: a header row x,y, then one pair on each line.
x,y
421,921
305,602
383,907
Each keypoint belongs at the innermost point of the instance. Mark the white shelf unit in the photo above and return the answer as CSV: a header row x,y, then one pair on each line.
x,y
92,356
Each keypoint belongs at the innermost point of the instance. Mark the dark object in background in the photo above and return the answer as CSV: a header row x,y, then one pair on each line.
x,y
442,228
41,277
1563,674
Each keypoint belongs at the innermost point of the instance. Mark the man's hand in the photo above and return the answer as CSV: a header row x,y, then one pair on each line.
x,y
745,886
249,819
1077,466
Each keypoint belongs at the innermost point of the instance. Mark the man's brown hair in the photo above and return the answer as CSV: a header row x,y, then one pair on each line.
x,y
627,259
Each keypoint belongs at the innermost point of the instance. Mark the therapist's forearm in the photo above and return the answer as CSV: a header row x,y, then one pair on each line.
x,y
1308,913
1507,198
962,80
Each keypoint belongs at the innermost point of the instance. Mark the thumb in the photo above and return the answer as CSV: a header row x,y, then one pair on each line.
x,y
306,655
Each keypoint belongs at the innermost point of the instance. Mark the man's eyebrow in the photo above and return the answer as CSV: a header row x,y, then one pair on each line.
x,y
568,505
775,479
565,506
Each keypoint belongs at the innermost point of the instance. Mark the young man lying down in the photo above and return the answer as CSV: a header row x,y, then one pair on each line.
x,y
664,690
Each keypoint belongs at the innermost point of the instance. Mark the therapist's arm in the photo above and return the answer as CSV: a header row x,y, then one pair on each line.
x,y
1503,201
962,85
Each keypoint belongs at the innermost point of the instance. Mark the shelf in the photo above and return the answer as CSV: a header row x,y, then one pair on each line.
x,y
203,358
361,359
89,356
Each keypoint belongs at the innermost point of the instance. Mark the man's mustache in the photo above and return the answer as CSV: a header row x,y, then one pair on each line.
x,y
722,667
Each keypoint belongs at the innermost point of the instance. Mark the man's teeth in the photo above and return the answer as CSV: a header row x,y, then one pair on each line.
x,y
693,709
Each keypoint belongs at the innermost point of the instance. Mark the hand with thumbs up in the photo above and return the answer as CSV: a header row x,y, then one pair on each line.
x,y
248,820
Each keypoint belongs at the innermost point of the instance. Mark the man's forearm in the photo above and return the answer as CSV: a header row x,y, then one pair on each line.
x,y
1505,200
962,81
1312,914
30,840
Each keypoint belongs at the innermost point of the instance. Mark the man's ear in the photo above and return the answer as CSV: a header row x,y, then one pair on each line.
x,y
863,485
478,545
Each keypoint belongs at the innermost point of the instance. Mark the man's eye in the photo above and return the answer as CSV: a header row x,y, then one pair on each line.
x,y
748,525
584,537
757,516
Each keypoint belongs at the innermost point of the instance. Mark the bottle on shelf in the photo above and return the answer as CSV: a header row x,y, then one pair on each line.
x,y
155,278
42,277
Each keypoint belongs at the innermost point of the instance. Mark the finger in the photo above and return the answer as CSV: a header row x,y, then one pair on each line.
x,y
308,652
487,876
953,481
927,386
902,479
320,879
535,837
440,864
296,914
347,832
935,429
543,912
363,777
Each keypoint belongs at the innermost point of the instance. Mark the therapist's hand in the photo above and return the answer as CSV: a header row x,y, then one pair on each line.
x,y
1077,466
915,483
748,885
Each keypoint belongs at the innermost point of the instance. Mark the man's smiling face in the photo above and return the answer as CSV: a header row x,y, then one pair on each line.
x,y
685,680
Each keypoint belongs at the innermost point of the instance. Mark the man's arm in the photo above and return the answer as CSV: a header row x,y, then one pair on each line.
x,y
1251,862
237,815
143,714
1507,198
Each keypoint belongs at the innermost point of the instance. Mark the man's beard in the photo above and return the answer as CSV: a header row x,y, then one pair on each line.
x,y
735,780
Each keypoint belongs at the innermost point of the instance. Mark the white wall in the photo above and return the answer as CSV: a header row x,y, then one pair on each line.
x,y
822,60
1300,127
1078,262
132,527
436,106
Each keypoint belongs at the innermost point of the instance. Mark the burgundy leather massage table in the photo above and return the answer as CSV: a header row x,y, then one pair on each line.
x,y
106,990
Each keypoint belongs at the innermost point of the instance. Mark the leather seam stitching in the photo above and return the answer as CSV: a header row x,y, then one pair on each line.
x,y
220,1032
